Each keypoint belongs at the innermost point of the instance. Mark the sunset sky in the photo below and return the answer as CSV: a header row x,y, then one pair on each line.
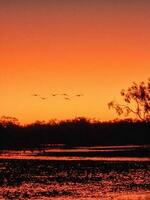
x,y
90,47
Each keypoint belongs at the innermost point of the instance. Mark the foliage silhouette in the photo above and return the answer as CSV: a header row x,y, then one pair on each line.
x,y
8,121
137,101
76,132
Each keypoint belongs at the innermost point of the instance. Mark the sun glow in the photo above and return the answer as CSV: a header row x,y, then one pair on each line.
x,y
92,48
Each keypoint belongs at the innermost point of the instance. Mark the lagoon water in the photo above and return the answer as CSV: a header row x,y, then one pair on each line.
x,y
91,173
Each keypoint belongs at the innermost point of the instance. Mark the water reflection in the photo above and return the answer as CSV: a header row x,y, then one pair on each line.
x,y
95,153
39,175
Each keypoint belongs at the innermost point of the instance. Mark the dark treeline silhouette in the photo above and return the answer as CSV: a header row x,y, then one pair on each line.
x,y
76,132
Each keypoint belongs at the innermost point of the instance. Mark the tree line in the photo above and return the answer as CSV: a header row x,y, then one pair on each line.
x,y
76,132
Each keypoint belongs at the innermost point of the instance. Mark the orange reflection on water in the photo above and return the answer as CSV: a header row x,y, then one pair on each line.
x,y
94,153
67,158
45,177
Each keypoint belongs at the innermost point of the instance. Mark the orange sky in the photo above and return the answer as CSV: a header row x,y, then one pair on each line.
x,y
65,46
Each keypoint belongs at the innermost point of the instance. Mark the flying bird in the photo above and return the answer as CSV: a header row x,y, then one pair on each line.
x,y
54,95
35,95
67,98
43,98
79,95
64,94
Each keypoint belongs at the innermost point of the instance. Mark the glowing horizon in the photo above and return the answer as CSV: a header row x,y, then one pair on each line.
x,y
94,48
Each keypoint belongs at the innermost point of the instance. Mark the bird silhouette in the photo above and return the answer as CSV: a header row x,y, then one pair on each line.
x,y
43,98
35,95
79,95
64,94
54,94
67,98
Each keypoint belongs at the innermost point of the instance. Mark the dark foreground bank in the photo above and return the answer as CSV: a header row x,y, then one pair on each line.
x,y
37,179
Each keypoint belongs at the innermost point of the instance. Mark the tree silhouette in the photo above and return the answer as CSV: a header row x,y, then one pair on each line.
x,y
7,121
137,101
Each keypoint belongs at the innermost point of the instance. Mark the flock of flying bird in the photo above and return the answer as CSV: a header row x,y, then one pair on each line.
x,y
64,95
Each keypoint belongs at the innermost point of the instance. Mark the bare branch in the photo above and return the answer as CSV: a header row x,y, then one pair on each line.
x,y
137,95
